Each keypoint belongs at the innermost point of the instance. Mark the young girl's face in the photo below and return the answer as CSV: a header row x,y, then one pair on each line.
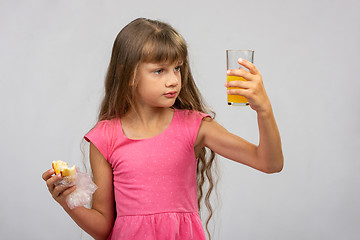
x,y
159,84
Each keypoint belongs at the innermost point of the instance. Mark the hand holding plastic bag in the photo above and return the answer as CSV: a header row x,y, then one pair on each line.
x,y
85,187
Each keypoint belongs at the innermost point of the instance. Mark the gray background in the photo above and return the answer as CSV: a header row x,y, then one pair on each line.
x,y
53,58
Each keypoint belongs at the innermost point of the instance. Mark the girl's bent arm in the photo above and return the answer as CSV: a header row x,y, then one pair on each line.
x,y
269,149
97,221
267,157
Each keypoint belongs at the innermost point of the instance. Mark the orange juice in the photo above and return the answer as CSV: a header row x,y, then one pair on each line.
x,y
236,99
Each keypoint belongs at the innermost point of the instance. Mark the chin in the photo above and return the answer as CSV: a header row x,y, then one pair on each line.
x,y
168,105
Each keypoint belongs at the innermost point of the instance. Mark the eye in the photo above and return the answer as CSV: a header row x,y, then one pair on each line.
x,y
177,69
158,71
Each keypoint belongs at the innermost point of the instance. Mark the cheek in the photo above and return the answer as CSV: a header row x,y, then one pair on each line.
x,y
180,83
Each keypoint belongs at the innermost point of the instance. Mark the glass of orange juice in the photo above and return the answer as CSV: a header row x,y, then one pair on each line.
x,y
232,57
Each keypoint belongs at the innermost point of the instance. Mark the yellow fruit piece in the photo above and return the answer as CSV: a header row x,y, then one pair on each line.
x,y
68,171
63,168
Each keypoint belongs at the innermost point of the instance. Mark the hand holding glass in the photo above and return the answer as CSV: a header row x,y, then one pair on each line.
x,y
232,57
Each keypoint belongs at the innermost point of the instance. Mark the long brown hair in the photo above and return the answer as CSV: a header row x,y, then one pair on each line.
x,y
145,40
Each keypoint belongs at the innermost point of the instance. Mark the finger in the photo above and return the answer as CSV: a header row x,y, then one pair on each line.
x,y
237,91
46,175
240,73
59,190
51,182
69,191
62,196
238,84
248,65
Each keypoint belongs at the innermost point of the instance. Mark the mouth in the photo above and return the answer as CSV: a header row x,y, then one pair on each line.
x,y
171,94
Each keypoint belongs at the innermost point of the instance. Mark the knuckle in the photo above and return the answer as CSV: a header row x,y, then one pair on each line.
x,y
253,90
48,184
54,195
56,191
242,71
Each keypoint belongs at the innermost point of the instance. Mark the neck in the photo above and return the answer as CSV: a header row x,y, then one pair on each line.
x,y
146,124
147,116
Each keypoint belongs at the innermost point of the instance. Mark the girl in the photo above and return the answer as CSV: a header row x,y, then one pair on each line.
x,y
147,151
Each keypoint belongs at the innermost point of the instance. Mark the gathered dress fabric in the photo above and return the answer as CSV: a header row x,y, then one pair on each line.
x,y
154,178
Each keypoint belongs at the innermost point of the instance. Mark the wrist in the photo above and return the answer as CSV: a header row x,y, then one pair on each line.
x,y
66,207
265,112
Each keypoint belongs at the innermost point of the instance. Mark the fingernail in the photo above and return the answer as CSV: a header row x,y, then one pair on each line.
x,y
228,71
240,59
228,91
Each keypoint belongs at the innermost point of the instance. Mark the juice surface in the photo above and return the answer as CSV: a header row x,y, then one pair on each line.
x,y
236,99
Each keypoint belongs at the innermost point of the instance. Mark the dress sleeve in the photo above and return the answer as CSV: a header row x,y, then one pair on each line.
x,y
196,118
101,137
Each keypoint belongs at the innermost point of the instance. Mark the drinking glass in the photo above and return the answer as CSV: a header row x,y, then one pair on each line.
x,y
232,57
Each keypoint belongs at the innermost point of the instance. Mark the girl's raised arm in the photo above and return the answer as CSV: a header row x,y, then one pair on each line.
x,y
98,220
267,156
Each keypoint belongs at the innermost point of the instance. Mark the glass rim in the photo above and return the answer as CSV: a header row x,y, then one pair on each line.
x,y
240,50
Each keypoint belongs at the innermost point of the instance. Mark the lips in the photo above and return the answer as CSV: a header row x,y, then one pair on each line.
x,y
171,94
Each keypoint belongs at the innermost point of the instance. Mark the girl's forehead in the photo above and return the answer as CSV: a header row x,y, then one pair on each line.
x,y
163,52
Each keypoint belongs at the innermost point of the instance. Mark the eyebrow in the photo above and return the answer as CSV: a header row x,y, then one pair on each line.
x,y
166,64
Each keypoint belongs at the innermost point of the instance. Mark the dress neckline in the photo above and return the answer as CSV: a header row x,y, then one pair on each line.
x,y
153,137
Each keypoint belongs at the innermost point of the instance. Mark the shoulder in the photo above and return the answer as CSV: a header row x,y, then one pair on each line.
x,y
106,124
102,128
209,129
102,136
192,119
188,122
191,114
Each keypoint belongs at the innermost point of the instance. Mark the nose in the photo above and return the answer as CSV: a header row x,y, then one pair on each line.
x,y
173,80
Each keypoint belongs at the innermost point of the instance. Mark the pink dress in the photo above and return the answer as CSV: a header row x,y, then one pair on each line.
x,y
154,179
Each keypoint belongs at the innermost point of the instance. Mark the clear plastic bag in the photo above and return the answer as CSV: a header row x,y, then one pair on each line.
x,y
85,188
